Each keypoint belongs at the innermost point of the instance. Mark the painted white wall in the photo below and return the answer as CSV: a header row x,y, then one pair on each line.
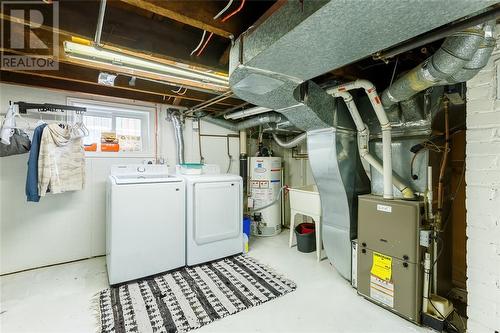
x,y
71,226
483,198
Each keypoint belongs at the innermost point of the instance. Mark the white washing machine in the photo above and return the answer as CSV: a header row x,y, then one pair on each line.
x,y
214,215
145,222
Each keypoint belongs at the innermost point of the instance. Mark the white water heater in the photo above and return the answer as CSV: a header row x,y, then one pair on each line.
x,y
265,184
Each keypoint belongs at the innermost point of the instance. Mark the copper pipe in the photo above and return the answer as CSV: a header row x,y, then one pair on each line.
x,y
444,160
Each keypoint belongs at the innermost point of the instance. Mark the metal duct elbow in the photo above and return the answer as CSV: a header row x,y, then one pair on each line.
x,y
457,51
480,58
292,143
179,137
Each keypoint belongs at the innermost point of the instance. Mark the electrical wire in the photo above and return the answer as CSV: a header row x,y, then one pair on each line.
x,y
176,91
199,44
223,9
394,72
204,45
234,12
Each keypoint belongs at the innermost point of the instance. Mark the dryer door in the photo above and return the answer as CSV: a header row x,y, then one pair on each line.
x,y
217,211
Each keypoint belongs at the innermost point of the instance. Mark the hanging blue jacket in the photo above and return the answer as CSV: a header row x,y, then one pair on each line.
x,y
32,177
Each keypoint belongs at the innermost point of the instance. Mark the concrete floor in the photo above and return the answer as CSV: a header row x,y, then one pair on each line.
x,y
58,299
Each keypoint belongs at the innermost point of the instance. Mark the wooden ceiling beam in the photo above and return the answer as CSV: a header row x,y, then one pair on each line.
x,y
127,31
198,14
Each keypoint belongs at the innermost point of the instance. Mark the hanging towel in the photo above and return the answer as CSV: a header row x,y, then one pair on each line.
x,y
32,177
8,124
61,162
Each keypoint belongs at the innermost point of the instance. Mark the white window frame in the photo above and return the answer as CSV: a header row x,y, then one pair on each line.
x,y
145,113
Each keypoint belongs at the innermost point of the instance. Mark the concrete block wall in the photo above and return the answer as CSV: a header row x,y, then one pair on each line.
x,y
483,198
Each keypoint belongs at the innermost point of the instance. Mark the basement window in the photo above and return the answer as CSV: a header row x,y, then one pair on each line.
x,y
115,128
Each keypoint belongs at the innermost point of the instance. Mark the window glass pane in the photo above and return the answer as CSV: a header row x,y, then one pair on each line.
x,y
96,125
129,131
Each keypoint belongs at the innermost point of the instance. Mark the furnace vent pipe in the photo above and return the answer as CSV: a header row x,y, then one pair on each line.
x,y
292,143
460,57
386,169
246,113
179,137
363,141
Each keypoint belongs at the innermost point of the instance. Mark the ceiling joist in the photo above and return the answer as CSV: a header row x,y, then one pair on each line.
x,y
198,14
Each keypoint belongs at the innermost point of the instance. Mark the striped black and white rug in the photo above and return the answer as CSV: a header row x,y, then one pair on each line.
x,y
190,297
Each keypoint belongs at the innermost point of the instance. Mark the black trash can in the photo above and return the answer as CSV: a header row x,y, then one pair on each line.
x,y
306,237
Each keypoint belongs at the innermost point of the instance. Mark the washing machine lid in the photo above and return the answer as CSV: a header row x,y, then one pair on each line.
x,y
225,177
141,174
143,179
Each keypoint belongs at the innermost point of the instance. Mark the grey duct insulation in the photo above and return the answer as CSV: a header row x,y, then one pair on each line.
x,y
179,137
292,143
460,58
271,65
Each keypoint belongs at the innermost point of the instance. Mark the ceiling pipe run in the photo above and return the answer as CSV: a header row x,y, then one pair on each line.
x,y
267,118
292,143
247,112
100,22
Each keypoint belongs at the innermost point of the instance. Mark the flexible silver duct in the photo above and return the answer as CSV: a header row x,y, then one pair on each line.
x,y
480,58
252,122
460,57
179,137
292,143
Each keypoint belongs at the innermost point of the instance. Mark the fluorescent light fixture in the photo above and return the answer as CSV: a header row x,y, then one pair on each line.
x,y
171,73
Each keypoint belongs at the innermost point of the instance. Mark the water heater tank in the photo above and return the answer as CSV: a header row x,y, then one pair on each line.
x,y
265,183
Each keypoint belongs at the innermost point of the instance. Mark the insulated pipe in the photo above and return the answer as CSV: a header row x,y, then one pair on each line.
x,y
292,143
455,53
248,112
363,138
100,22
252,122
179,137
480,58
243,142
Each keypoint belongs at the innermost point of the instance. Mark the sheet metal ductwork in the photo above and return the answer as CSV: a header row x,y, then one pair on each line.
x,y
271,65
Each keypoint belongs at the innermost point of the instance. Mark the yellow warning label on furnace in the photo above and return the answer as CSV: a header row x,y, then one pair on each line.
x,y
382,266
